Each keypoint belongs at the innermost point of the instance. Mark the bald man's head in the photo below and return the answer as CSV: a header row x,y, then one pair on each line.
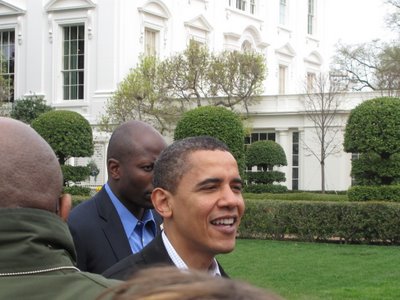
x,y
128,138
30,174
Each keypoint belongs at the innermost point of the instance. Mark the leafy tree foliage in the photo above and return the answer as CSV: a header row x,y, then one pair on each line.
x,y
217,122
142,95
265,155
373,130
160,91
29,108
70,135
238,77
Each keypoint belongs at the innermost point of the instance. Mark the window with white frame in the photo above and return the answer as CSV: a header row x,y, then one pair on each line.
x,y
310,17
282,79
241,4
151,42
310,81
282,12
252,7
7,62
73,62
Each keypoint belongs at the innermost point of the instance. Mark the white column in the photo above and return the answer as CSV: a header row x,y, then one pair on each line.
x,y
283,140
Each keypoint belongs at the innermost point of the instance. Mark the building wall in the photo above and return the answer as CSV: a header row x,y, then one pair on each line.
x,y
115,37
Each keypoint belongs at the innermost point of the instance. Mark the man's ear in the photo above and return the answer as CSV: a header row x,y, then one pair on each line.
x,y
113,167
162,202
64,206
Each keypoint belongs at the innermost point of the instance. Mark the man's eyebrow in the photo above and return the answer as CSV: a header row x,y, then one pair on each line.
x,y
208,181
216,180
237,180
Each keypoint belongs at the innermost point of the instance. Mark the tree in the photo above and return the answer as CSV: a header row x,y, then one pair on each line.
x,y
373,130
217,122
374,65
29,108
142,95
265,155
70,135
321,105
160,91
238,77
393,18
188,74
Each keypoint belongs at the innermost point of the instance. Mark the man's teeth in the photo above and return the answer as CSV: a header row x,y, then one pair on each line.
x,y
227,221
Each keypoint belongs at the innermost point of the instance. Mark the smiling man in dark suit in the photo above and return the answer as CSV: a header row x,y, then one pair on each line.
x,y
119,219
198,192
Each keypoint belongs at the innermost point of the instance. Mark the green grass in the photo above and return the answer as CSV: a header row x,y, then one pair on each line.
x,y
317,271
308,196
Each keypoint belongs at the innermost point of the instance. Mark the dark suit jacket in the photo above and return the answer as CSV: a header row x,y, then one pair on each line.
x,y
154,254
98,233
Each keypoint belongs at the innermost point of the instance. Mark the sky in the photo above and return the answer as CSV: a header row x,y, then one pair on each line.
x,y
356,21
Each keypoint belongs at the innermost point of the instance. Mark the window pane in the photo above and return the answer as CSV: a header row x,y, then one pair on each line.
x,y
295,137
74,78
295,148
81,33
271,136
81,47
74,33
80,62
295,173
66,78
80,75
254,137
247,140
295,160
263,136
80,95
66,92
74,92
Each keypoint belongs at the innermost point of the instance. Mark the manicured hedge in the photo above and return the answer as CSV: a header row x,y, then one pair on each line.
x,y
265,188
367,193
346,222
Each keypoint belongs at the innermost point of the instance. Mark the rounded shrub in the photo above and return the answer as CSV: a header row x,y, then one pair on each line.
x,y
373,130
217,122
266,154
67,132
374,126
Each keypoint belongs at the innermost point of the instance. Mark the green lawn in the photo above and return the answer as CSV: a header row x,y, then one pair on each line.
x,y
317,271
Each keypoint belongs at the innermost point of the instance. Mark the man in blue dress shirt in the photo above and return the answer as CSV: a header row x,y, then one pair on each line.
x,y
119,219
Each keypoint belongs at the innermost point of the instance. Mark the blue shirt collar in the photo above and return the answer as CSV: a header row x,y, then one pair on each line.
x,y
129,221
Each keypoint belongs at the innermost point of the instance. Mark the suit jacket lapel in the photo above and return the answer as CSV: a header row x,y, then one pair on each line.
x,y
112,226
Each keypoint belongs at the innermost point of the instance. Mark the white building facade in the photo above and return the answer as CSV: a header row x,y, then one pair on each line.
x,y
75,52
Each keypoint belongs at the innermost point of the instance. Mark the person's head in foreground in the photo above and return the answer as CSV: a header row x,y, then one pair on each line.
x,y
170,283
37,254
198,192
30,174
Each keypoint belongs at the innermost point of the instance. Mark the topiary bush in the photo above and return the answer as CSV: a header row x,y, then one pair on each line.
x,y
373,129
69,134
265,155
217,122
